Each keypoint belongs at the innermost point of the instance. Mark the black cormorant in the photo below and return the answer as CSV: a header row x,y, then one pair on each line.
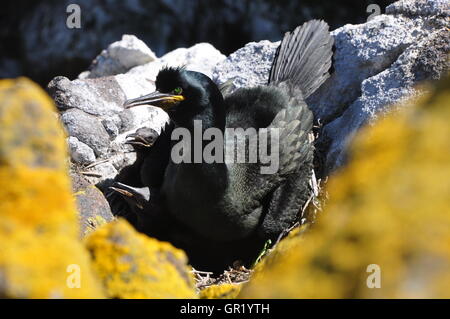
x,y
235,204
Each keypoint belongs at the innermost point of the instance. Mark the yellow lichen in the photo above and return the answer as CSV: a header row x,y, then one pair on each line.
x,y
222,291
390,207
93,223
38,220
132,265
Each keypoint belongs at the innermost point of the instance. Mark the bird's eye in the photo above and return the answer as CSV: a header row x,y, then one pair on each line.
x,y
177,91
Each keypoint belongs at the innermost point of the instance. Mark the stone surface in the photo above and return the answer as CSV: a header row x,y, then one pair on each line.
x,y
376,64
102,96
202,57
93,209
387,216
120,57
248,66
419,7
86,128
80,153
92,109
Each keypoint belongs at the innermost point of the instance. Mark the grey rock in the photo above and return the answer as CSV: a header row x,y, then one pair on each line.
x,y
362,51
100,172
102,96
202,57
378,64
143,115
111,125
93,209
248,66
419,7
80,153
121,160
120,57
88,129
140,80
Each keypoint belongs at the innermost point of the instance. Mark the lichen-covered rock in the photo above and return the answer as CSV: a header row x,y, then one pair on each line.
x,y
222,291
39,246
132,265
93,209
388,213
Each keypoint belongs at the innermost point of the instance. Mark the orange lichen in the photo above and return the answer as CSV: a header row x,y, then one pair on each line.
x,y
389,207
38,219
132,265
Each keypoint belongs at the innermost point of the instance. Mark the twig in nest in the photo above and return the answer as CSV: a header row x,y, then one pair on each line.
x,y
96,163
90,174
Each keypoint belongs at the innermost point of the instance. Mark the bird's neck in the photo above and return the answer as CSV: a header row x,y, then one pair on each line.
x,y
210,117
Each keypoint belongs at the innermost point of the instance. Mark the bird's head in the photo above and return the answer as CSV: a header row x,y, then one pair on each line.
x,y
184,95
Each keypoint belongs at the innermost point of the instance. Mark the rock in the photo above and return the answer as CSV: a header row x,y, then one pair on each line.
x,y
86,128
140,116
80,153
120,57
202,57
99,97
248,66
102,170
377,64
41,256
419,7
132,265
387,212
122,159
111,125
93,209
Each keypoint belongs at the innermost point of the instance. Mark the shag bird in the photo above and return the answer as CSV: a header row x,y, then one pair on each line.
x,y
232,203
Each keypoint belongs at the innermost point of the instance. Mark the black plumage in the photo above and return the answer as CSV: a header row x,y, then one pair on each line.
x,y
232,208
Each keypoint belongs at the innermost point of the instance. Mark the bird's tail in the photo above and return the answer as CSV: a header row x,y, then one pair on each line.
x,y
303,57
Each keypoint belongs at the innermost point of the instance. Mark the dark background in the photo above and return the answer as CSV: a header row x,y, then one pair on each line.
x,y
34,39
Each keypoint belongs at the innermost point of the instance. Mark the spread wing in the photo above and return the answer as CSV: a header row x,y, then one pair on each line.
x,y
285,141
